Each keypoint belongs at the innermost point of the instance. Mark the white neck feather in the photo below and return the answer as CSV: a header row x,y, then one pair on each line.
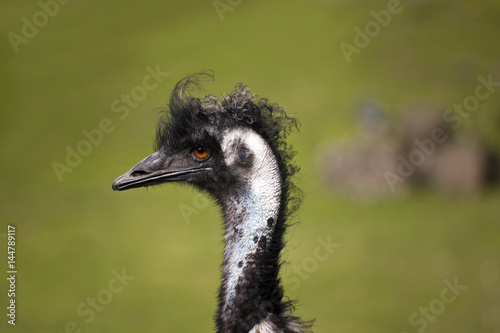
x,y
259,201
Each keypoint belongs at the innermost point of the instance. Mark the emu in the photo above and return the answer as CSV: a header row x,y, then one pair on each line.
x,y
235,149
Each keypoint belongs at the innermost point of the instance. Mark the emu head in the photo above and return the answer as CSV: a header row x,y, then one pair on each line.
x,y
215,145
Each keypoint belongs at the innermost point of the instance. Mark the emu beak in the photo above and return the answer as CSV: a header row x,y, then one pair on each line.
x,y
153,170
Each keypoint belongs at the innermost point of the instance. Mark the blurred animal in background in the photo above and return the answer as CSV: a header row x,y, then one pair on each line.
x,y
234,149
416,151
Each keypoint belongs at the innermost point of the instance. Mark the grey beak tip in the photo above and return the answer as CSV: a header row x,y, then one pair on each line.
x,y
116,184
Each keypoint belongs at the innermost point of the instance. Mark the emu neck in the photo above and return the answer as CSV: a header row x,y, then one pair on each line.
x,y
250,290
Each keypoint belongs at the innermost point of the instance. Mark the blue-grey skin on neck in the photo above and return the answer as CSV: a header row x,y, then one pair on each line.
x,y
252,213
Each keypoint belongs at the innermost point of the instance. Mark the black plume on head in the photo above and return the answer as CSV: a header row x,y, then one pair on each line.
x,y
190,121
187,117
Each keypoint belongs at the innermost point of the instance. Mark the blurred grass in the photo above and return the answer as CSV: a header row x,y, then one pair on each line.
x,y
394,254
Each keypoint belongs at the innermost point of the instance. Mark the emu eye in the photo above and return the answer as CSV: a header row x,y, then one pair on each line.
x,y
201,153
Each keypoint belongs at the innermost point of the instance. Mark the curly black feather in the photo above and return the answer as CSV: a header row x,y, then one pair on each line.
x,y
188,120
186,114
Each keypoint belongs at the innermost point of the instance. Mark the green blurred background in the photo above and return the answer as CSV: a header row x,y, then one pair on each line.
x,y
393,254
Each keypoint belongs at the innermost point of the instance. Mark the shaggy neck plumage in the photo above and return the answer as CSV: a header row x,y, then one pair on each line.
x,y
250,293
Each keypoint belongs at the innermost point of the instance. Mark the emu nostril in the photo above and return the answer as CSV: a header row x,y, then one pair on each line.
x,y
139,173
